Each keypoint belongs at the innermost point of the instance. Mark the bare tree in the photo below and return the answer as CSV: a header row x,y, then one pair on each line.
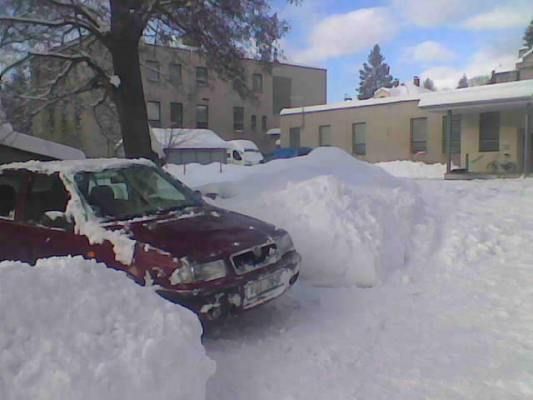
x,y
69,37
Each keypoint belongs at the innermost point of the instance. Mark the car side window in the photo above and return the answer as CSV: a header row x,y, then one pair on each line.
x,y
47,202
10,185
236,155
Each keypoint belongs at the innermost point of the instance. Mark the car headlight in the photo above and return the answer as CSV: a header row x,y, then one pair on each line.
x,y
284,244
194,272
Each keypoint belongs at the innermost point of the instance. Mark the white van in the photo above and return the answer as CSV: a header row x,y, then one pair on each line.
x,y
244,152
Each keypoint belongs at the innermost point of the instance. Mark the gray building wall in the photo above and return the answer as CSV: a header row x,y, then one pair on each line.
x,y
75,123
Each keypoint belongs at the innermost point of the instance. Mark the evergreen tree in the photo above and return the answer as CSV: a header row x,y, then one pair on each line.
x,y
463,82
374,75
528,35
429,84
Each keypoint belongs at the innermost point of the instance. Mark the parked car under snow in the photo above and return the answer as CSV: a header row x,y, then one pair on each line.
x,y
134,217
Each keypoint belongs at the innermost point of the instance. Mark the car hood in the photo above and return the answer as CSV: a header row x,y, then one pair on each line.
x,y
204,234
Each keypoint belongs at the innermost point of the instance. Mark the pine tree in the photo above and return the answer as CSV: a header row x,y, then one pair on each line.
x,y
429,84
528,35
463,82
374,75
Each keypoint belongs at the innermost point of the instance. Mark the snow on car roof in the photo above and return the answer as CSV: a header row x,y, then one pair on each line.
x,y
74,166
243,144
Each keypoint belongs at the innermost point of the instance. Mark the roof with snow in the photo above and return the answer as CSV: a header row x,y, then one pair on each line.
x,y
509,93
349,104
38,146
177,138
74,166
404,89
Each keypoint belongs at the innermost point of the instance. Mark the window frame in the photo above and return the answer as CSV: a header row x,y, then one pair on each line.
x,y
253,122
153,67
154,122
488,145
321,142
358,148
201,124
414,143
292,131
257,84
264,123
173,77
179,122
238,118
199,81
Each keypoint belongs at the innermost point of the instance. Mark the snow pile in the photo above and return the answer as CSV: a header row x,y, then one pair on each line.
x,y
414,169
338,210
73,329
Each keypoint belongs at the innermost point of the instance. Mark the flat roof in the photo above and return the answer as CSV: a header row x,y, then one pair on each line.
x,y
37,146
349,104
519,92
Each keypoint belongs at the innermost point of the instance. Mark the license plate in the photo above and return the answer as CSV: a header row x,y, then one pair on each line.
x,y
255,289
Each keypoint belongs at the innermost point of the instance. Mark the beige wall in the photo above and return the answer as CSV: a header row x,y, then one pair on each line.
x,y
388,130
511,122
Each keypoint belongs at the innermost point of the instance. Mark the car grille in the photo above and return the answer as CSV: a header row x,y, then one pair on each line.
x,y
255,258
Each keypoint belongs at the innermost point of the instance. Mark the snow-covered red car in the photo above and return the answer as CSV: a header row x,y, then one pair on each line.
x,y
134,217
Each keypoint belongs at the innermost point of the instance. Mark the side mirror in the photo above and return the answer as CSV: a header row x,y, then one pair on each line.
x,y
198,196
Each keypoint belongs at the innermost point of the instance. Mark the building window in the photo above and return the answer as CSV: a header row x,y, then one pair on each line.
x,y
202,116
201,76
154,113
176,115
359,138
257,83
253,122
294,137
152,71
489,131
455,142
324,135
419,134
264,123
238,118
175,73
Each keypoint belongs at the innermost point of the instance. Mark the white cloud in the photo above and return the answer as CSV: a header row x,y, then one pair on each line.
x,y
428,13
482,62
428,52
344,34
499,18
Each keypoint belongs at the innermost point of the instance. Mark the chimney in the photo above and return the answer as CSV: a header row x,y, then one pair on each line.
x,y
522,51
416,81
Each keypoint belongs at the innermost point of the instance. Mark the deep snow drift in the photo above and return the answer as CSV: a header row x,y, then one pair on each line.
x,y
74,329
451,321
339,211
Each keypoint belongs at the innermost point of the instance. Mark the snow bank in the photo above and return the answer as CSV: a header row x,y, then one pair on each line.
x,y
73,329
414,169
339,211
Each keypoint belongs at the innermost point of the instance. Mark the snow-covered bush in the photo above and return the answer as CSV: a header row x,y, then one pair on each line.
x,y
74,329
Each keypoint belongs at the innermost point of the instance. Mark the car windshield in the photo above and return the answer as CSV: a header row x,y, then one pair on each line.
x,y
131,192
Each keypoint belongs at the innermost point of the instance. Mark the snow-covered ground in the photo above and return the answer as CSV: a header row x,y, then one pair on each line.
x,y
414,169
410,289
449,313
74,329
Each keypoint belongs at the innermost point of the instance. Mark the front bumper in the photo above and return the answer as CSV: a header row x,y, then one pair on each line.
x,y
242,293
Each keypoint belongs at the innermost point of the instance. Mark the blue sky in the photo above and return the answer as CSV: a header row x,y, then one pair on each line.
x,y
440,39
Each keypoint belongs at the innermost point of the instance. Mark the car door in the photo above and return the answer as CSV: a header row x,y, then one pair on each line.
x,y
13,185
48,232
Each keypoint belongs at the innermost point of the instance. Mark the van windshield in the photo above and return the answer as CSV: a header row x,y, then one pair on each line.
x,y
135,191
